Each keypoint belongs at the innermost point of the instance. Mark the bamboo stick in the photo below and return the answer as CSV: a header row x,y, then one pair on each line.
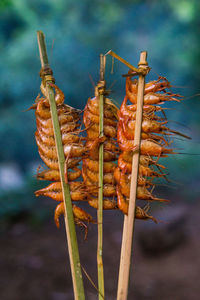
x,y
101,89
69,219
124,271
134,69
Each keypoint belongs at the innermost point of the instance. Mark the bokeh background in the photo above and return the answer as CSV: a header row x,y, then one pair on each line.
x,y
33,257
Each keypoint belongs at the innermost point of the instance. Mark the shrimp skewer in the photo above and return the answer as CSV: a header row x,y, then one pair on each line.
x,y
73,149
90,167
154,142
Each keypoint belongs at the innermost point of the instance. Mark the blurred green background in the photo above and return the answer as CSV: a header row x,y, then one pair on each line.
x,y
76,33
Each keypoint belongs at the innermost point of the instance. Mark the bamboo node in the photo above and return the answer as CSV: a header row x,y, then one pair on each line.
x,y
143,69
100,88
46,74
143,64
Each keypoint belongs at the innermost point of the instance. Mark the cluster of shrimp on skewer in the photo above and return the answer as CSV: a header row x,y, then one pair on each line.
x,y
74,150
90,168
154,143
118,141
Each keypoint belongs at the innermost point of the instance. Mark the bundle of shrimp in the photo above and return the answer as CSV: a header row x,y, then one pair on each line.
x,y
73,150
90,168
153,142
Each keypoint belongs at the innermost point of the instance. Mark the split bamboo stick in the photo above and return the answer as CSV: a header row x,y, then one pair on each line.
x,y
101,90
128,229
69,219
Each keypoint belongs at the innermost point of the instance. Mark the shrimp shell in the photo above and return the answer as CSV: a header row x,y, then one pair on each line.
x,y
94,177
54,175
139,212
109,131
107,203
146,147
130,110
90,118
110,110
93,165
54,191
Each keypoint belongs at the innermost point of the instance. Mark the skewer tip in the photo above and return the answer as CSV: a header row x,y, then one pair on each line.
x,y
143,58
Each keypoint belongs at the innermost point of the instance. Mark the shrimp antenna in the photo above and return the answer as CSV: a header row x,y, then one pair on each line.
x,y
181,87
192,96
179,123
92,80
181,134
112,84
51,53
186,153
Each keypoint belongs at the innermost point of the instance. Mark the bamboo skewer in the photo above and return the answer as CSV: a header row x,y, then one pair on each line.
x,y
135,70
69,219
101,90
125,261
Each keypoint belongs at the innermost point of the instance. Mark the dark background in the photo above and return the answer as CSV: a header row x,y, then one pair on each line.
x,y
33,256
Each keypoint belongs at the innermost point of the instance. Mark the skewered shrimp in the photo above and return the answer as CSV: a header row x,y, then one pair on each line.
x,y
73,150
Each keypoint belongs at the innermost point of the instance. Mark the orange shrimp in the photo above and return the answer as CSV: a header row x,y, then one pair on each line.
x,y
139,212
147,147
148,126
130,110
53,163
46,139
94,177
44,112
142,192
143,215
144,159
94,150
121,201
59,95
129,132
50,174
93,146
110,110
109,131
107,203
54,175
60,210
123,179
90,118
109,190
69,138
67,127
49,151
151,87
54,191
74,150
143,170
62,117
93,165
152,98
80,214
92,134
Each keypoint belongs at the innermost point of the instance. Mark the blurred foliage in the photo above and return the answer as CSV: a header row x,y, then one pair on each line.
x,y
76,33
19,205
